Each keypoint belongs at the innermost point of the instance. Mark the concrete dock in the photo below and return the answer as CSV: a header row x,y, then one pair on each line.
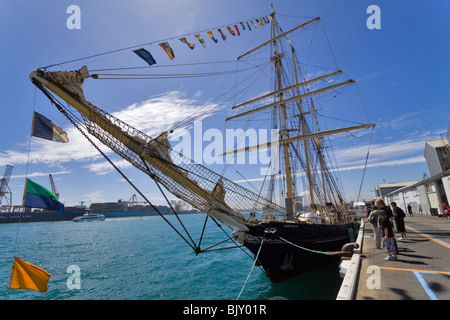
x,y
422,271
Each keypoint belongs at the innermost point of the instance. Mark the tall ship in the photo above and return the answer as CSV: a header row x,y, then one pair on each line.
x,y
282,239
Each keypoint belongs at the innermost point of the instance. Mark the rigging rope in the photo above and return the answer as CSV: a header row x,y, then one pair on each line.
x,y
251,270
365,165
194,246
65,113
140,76
143,44
26,177
328,253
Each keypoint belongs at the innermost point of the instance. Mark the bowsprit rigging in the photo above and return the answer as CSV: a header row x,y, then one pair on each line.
x,y
141,145
285,239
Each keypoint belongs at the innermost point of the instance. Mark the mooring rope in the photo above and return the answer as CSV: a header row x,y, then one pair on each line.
x,y
329,253
251,270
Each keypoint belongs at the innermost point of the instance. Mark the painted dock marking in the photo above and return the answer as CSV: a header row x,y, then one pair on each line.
x,y
425,286
419,277
415,270
443,243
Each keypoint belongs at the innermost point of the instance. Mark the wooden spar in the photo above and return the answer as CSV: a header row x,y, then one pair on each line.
x,y
319,152
123,137
278,37
292,99
299,138
288,88
305,142
283,126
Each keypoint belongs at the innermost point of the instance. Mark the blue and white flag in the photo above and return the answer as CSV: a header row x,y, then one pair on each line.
x,y
46,129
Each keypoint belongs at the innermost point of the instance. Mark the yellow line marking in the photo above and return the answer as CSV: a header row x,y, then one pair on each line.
x,y
431,238
427,271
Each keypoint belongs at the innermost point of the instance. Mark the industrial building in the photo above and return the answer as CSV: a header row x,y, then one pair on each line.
x,y
431,193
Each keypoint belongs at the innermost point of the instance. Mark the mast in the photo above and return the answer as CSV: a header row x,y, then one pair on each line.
x,y
301,137
308,94
275,38
283,127
305,142
319,152
287,89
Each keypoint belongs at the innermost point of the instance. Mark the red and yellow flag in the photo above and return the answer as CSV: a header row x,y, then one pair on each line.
x,y
25,275
230,31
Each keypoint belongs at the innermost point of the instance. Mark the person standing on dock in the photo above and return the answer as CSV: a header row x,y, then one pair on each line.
x,y
381,205
389,243
409,209
373,219
399,216
388,215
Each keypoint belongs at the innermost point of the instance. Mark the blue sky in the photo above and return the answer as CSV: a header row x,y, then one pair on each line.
x,y
402,68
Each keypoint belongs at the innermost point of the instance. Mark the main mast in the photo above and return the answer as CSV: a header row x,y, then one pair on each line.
x,y
281,101
283,127
305,142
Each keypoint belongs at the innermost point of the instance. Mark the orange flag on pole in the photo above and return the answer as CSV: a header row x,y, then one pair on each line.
x,y
25,275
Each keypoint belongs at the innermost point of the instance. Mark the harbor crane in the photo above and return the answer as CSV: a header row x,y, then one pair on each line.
x,y
5,191
52,184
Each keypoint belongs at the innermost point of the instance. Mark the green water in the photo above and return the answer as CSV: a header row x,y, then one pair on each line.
x,y
142,258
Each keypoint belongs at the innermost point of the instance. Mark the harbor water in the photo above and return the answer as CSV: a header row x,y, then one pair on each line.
x,y
142,258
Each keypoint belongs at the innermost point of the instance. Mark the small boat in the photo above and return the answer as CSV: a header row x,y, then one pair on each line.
x,y
90,217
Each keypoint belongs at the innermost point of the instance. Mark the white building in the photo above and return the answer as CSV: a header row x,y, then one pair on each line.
x,y
430,193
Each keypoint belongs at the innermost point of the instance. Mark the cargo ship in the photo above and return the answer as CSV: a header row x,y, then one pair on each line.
x,y
14,214
133,208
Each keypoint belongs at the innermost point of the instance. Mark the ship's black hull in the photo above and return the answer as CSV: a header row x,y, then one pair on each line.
x,y
281,260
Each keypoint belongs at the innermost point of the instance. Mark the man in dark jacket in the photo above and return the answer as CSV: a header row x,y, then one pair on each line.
x,y
399,215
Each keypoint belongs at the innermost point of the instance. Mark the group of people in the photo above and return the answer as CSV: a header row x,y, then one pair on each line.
x,y
382,218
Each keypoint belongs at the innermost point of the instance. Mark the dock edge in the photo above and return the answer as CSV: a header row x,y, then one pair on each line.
x,y
348,286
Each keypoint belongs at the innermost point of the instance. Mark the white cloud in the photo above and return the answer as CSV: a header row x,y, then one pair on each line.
x,y
161,112
38,174
104,167
95,196
152,116
381,153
